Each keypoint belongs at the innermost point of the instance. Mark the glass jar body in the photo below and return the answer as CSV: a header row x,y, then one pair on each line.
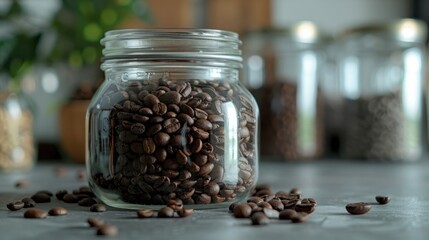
x,y
284,76
168,130
17,147
382,88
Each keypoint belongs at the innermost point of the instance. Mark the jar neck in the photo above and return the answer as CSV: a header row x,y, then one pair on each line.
x,y
171,71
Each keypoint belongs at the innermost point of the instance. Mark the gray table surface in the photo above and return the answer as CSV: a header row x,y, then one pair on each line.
x,y
332,183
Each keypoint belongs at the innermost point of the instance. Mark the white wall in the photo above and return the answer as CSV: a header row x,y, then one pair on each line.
x,y
336,15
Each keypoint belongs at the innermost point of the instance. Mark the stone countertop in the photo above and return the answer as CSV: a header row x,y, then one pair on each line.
x,y
332,183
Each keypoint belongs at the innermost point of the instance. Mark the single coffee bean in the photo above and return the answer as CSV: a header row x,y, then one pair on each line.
x,y
60,194
259,218
232,206
299,218
57,211
382,199
107,230
14,206
41,197
295,191
175,204
49,193
256,200
212,189
95,222
70,198
149,146
264,205
185,212
145,213
161,139
86,202
98,207
242,211
166,212
171,125
270,213
28,202
287,214
305,207
358,208
276,204
35,213
171,97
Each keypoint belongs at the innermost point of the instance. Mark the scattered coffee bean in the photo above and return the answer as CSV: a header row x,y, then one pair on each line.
x,y
21,184
41,197
28,202
232,206
259,218
358,208
145,213
382,199
299,218
287,214
35,213
70,198
95,222
49,193
185,212
86,202
57,211
242,211
166,212
270,213
98,207
60,194
107,230
295,191
15,206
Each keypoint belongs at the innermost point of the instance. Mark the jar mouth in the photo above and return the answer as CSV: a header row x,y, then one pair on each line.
x,y
161,44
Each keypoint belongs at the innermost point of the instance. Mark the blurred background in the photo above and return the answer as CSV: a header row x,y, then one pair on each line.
x,y
50,56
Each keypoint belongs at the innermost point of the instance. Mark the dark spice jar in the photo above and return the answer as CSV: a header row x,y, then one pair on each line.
x,y
172,121
283,69
381,73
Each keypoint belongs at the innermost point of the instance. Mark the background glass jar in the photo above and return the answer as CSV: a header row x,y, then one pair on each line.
x,y
17,147
283,70
172,121
381,72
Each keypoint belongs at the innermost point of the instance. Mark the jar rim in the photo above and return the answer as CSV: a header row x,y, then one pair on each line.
x,y
171,43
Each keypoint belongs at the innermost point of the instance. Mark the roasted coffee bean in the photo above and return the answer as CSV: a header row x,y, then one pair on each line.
x,y
171,125
256,200
35,213
358,208
95,222
145,213
138,128
149,146
57,211
287,214
107,230
28,202
295,191
171,97
185,212
212,188
161,139
203,124
14,206
264,205
232,206
202,199
382,199
276,204
199,133
270,213
165,212
86,202
305,207
49,193
70,198
299,218
242,211
41,197
60,194
259,218
175,204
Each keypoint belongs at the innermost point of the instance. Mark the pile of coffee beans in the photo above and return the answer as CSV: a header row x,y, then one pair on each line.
x,y
264,205
375,129
298,132
16,143
167,141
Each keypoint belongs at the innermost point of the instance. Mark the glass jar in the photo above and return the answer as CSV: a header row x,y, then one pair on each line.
x,y
172,121
17,148
381,71
283,69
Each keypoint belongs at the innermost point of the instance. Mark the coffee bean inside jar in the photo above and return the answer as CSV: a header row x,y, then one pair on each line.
x,y
174,134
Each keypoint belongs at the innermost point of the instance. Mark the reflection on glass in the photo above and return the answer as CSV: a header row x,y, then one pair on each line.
x,y
231,141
